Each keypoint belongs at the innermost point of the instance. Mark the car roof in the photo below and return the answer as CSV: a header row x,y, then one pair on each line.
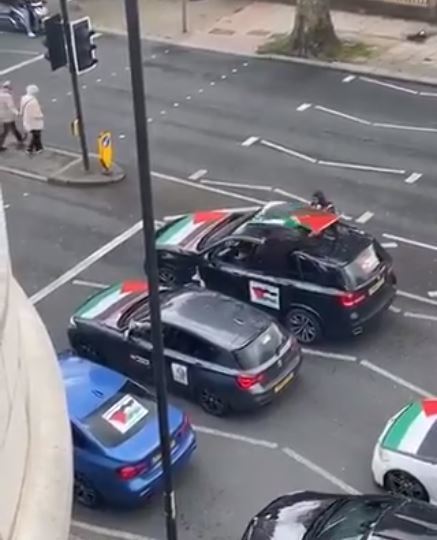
x,y
214,317
87,385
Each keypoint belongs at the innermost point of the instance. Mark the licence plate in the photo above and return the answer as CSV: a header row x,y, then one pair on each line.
x,y
283,383
157,459
377,286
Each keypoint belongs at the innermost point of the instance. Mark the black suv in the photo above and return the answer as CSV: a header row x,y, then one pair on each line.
x,y
318,275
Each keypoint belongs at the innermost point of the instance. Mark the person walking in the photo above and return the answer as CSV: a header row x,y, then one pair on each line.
x,y
33,119
8,114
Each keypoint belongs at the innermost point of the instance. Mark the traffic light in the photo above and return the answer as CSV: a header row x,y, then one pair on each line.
x,y
83,46
55,42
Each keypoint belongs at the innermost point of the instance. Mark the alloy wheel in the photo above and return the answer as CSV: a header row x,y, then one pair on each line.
x,y
84,493
402,483
303,326
211,403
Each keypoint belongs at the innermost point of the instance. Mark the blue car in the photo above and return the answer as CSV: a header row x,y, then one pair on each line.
x,y
117,457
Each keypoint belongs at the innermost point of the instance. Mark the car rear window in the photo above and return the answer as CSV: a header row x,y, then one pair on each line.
x,y
262,349
363,267
122,416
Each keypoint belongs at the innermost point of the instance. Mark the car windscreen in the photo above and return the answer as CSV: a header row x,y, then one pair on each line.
x,y
122,416
224,228
262,349
361,269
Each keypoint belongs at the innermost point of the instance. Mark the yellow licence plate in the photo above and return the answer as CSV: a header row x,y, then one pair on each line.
x,y
376,287
283,383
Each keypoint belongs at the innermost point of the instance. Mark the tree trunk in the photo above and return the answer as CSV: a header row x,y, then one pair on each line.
x,y
313,33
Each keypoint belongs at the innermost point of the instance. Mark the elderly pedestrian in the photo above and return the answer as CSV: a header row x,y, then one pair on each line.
x,y
33,119
8,114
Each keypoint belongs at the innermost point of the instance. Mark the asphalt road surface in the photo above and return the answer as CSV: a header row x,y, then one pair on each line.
x,y
228,131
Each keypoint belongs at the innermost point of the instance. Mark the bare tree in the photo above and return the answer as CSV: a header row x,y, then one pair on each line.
x,y
313,33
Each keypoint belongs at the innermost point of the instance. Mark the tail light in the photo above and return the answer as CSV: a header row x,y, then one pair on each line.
x,y
245,382
352,299
130,472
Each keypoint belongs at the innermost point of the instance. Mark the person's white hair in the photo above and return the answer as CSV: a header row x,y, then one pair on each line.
x,y
32,89
6,84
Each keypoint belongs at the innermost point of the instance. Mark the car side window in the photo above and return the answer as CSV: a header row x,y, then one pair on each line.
x,y
235,252
309,270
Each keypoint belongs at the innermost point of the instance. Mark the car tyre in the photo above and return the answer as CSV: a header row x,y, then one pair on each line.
x,y
212,403
84,492
403,483
304,325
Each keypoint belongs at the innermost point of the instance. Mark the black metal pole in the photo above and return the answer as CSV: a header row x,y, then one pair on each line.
x,y
75,85
139,104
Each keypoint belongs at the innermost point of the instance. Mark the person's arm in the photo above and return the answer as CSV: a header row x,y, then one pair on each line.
x,y
11,105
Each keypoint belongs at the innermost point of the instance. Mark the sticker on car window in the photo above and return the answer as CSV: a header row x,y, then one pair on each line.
x,y
263,294
124,414
179,373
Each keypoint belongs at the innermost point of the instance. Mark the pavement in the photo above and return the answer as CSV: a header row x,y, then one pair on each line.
x,y
240,26
231,131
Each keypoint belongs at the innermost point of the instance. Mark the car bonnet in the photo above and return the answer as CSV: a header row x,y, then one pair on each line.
x,y
414,431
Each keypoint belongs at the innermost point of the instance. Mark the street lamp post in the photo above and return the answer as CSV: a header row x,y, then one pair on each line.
x,y
139,104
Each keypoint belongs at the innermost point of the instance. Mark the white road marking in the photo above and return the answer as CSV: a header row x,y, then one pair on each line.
x,y
122,136
198,174
365,217
54,100
395,309
111,533
405,128
398,380
303,107
284,193
245,64
410,242
235,185
84,87
176,104
249,141
24,174
288,151
86,263
224,77
166,51
212,83
320,471
19,51
325,354
236,437
414,177
127,68
163,112
188,98
389,245
20,65
428,94
91,284
432,294
417,298
25,194
150,120
349,78
234,70
343,115
153,56
98,80
421,316
355,166
200,91
69,93
389,85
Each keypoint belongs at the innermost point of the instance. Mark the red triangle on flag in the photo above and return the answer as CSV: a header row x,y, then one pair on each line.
x,y
316,222
207,215
134,287
429,407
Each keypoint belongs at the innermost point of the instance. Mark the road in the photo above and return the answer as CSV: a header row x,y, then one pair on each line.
x,y
228,131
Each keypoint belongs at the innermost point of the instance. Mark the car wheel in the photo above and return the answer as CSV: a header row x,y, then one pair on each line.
x,y
212,403
304,325
168,276
402,483
84,492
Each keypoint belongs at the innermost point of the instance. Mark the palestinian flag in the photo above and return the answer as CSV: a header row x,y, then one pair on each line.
x,y
186,229
103,303
414,431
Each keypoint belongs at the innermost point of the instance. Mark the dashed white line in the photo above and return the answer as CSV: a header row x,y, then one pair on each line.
x,y
122,136
405,128
250,141
389,245
212,83
343,115
98,80
417,298
236,185
428,94
410,242
188,98
20,65
356,166
288,151
284,193
236,437
365,217
111,533
163,112
303,107
150,120
234,70
395,309
432,294
421,316
245,64
54,100
334,356
389,85
414,177
200,91
320,471
395,378
176,104
91,284
198,174
224,77
349,78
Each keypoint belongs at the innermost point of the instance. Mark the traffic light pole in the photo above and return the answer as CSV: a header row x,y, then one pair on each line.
x,y
139,105
75,85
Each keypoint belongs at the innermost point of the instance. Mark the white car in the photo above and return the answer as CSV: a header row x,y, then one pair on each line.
x,y
405,456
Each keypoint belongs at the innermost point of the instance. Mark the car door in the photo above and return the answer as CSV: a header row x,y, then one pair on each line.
x,y
140,355
224,267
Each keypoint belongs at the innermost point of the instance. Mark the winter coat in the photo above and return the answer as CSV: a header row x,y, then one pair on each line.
x,y
30,110
7,107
